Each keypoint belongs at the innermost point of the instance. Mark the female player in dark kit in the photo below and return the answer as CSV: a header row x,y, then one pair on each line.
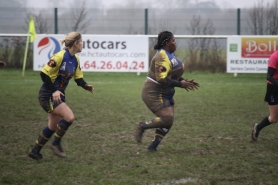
x,y
55,76
271,97
159,88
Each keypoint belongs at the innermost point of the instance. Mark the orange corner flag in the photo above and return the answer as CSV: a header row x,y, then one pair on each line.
x,y
32,29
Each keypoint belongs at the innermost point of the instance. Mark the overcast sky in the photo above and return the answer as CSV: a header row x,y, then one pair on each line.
x,y
112,3
238,3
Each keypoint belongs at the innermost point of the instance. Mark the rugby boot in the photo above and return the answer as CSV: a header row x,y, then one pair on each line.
x,y
139,130
255,133
32,155
57,150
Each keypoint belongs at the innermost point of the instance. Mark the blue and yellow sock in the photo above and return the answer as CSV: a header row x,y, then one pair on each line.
x,y
154,123
159,134
44,136
62,127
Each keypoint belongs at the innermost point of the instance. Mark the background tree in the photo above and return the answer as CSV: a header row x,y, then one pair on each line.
x,y
256,15
17,55
40,18
263,18
79,18
272,19
204,53
5,51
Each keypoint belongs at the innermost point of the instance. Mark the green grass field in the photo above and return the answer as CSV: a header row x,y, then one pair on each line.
x,y
208,144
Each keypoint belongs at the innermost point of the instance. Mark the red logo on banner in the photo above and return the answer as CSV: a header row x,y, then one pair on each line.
x,y
258,47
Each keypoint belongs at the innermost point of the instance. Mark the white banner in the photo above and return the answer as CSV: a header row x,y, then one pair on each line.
x,y
103,53
249,54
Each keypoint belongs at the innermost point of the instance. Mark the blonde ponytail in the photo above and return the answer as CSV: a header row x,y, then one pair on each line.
x,y
62,41
70,39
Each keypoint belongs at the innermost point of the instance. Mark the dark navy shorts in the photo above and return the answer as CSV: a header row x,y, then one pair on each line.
x,y
271,95
45,99
156,96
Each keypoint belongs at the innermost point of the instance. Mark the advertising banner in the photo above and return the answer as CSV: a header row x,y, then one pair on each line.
x,y
103,53
249,54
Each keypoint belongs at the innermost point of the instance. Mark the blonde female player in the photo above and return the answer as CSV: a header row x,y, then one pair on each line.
x,y
55,76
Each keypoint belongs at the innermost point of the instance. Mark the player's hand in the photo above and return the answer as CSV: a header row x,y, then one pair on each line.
x,y
187,85
190,85
56,97
90,88
195,84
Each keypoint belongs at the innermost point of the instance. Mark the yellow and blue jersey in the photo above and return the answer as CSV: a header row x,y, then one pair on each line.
x,y
61,68
165,67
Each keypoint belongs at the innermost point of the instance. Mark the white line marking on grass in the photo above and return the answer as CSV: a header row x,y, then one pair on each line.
x,y
109,82
180,181
232,83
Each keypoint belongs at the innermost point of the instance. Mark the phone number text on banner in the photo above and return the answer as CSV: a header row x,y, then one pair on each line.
x,y
103,53
127,66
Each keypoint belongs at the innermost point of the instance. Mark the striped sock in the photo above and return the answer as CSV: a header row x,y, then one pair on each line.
x,y
44,136
62,127
159,134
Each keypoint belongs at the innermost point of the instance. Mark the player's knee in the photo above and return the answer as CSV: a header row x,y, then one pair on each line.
x,y
69,118
167,121
272,119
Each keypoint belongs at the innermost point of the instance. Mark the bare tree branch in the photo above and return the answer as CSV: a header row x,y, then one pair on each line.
x,y
272,19
204,53
264,18
40,20
79,22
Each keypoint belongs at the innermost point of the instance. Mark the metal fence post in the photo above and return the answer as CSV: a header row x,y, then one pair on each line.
x,y
238,21
56,20
146,21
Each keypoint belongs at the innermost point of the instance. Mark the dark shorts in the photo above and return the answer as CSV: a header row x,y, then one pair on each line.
x,y
271,95
45,99
156,96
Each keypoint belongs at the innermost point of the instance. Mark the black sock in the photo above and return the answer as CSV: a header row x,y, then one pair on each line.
x,y
154,144
265,122
159,134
